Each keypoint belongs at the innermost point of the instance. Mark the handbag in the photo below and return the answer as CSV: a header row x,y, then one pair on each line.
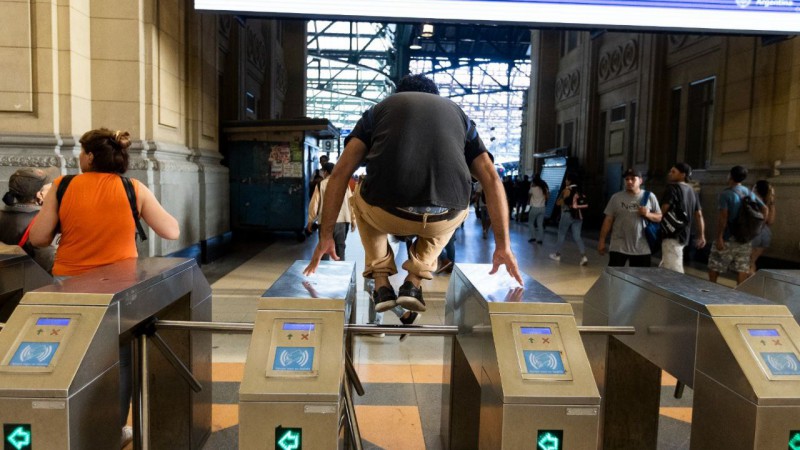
x,y
651,229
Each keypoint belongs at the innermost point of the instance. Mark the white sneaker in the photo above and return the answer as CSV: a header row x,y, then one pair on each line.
x,y
127,436
555,256
584,260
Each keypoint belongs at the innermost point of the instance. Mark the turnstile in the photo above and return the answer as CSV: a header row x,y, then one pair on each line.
x,y
19,273
779,286
738,352
516,376
292,390
59,358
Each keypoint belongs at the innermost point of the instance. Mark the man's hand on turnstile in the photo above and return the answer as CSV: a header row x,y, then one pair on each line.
x,y
324,247
504,256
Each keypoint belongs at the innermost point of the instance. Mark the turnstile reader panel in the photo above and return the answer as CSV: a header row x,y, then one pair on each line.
x,y
302,356
294,348
43,340
540,351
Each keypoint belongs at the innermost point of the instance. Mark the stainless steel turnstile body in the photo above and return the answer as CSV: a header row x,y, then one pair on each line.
x,y
779,286
18,275
516,376
59,356
738,352
291,392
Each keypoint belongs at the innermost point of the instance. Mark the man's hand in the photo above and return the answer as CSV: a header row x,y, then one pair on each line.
x,y
700,242
601,247
643,211
324,247
504,256
308,227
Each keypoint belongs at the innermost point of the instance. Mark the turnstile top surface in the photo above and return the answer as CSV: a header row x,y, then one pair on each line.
x,y
9,259
788,276
501,288
693,293
324,283
120,276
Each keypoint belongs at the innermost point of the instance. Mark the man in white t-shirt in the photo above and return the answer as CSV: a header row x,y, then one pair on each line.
x,y
625,214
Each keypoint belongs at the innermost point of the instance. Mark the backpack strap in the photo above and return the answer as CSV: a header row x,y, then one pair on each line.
x,y
131,193
24,239
645,198
62,188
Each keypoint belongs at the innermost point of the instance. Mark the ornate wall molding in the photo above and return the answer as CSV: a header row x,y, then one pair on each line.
x,y
677,42
617,61
568,85
256,50
30,161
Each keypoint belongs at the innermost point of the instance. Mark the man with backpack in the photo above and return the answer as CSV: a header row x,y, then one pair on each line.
x,y
680,208
737,224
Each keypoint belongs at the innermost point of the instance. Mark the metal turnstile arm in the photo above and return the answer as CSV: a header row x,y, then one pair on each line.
x,y
176,362
350,411
353,375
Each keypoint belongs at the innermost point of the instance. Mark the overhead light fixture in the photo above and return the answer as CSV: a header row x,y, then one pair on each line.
x,y
415,45
427,30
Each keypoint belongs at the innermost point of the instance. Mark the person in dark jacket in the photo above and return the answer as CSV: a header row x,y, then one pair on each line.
x,y
26,191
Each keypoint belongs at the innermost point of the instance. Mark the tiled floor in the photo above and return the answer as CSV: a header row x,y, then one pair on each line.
x,y
401,407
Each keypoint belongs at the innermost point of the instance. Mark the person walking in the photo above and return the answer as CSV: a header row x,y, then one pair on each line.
x,y
727,250
681,199
625,213
766,193
571,218
538,195
344,220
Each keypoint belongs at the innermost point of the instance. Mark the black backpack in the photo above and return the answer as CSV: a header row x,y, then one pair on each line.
x,y
577,202
129,191
674,221
748,223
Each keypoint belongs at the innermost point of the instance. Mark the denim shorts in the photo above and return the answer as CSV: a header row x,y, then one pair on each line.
x,y
764,239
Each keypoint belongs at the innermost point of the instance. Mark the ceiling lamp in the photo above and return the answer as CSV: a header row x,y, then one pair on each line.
x,y
427,30
415,44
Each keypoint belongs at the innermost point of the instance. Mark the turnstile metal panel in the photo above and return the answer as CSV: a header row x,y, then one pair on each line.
x,y
501,389
19,271
295,364
779,286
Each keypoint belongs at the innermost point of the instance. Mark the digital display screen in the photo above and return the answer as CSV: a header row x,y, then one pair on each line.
x,y
34,354
763,332
536,330
288,326
52,322
756,16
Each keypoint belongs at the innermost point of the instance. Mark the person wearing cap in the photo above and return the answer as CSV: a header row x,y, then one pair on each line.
x,y
26,191
625,214
680,193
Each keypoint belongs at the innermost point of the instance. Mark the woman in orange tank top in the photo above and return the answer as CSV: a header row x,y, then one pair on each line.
x,y
97,226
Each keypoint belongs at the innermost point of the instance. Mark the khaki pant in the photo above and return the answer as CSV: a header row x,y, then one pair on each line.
x,y
374,226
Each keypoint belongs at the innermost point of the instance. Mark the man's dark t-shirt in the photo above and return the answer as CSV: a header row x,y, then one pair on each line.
x,y
689,203
419,149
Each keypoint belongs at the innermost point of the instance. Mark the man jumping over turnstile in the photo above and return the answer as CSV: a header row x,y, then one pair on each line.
x,y
420,150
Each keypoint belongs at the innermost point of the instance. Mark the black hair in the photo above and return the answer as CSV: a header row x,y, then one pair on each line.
x,y
685,169
328,167
762,188
538,181
417,83
738,174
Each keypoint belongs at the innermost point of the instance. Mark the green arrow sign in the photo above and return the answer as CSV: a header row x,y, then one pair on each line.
x,y
19,437
288,438
794,440
549,440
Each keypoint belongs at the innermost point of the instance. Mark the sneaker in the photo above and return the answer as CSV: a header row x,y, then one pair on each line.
x,y
539,242
127,436
447,264
531,241
555,256
412,316
410,297
584,260
384,298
